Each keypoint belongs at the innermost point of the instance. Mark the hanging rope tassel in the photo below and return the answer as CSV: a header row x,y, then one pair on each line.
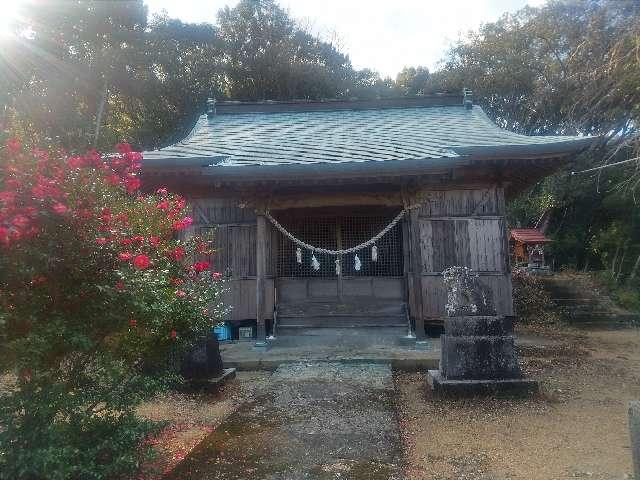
x,y
299,255
357,264
315,263
374,254
337,261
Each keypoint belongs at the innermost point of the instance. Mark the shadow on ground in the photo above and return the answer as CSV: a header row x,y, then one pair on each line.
x,y
311,421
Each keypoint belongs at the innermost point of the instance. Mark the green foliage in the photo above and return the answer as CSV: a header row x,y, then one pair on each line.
x,y
96,298
566,68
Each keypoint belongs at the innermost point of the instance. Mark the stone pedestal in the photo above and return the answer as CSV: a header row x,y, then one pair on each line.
x,y
634,430
479,356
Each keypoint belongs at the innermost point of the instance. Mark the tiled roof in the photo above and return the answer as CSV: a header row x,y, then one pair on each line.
x,y
338,136
528,235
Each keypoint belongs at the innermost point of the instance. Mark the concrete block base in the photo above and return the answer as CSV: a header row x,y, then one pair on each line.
x,y
441,386
423,345
260,346
634,430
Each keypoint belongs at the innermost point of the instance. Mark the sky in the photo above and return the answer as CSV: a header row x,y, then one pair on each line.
x,y
384,35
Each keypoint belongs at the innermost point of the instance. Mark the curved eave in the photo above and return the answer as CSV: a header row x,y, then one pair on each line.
x,y
535,150
206,167
214,167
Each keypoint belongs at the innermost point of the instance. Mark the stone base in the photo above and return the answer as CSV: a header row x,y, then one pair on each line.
x,y
460,388
261,346
212,384
423,345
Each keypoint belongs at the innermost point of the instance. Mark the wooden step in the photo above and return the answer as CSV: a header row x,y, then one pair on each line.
x,y
343,322
342,309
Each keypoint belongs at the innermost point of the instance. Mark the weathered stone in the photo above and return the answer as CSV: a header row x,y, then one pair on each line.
x,y
478,326
634,429
203,361
465,294
478,353
479,358
462,388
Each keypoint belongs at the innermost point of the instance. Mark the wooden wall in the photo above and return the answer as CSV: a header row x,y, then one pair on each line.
x,y
234,231
461,227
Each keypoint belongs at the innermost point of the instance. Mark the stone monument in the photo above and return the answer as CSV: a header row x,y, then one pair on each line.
x,y
478,352
634,430
202,365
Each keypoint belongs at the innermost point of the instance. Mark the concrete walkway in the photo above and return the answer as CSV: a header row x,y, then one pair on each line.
x,y
400,354
310,421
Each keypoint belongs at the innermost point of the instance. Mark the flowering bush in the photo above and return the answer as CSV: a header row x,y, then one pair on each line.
x,y
97,290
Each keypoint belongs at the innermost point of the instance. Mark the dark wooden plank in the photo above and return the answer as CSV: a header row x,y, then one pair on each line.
x,y
261,266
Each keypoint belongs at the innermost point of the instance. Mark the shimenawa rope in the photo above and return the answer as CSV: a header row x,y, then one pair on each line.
x,y
366,244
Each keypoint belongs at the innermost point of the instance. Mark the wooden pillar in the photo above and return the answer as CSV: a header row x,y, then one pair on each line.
x,y
261,268
416,272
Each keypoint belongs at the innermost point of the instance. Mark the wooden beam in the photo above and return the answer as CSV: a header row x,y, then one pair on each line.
x,y
416,273
261,268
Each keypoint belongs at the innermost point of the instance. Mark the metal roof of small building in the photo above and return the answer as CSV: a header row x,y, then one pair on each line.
x,y
340,133
528,235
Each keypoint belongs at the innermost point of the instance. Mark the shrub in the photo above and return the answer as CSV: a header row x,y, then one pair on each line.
x,y
96,293
531,302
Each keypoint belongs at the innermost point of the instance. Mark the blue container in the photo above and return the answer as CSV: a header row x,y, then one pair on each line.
x,y
223,333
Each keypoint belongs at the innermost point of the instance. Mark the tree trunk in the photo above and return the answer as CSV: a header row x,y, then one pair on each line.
x,y
103,101
634,270
621,265
615,261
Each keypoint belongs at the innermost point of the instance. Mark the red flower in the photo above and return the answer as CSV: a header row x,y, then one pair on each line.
x,y
76,162
163,205
60,208
126,241
13,145
120,286
133,323
113,179
125,256
173,334
177,253
200,266
162,192
20,221
182,224
154,241
181,293
141,262
132,184
102,241
138,238
123,148
13,183
8,196
39,280
216,275
203,248
4,236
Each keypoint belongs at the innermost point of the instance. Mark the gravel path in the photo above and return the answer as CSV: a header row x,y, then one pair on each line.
x,y
310,421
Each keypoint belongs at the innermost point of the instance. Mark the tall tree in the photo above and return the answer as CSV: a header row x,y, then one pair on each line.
x,y
571,67
269,57
72,58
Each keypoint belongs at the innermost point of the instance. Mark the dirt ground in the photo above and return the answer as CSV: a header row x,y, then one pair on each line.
x,y
576,428
192,417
